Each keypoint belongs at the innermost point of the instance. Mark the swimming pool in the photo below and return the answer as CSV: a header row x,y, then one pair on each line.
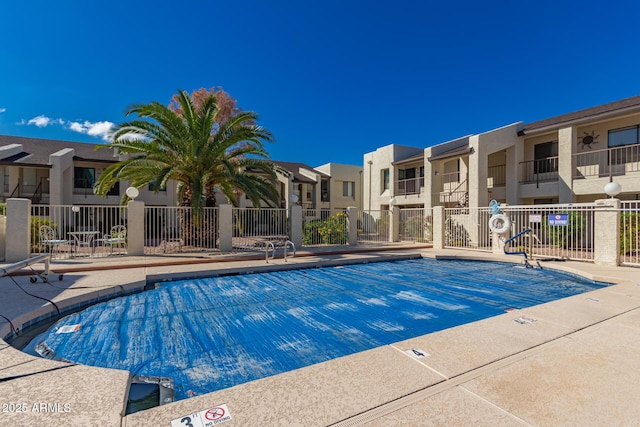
x,y
213,333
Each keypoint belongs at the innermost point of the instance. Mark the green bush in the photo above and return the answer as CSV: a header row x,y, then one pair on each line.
x,y
330,231
36,222
565,235
629,233
3,208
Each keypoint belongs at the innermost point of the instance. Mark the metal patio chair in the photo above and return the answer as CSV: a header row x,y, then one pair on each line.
x,y
117,237
49,239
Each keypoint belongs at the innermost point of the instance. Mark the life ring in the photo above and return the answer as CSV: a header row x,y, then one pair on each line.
x,y
499,223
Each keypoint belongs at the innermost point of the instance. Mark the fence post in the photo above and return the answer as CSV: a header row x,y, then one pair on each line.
x,y
135,228
438,227
352,226
225,224
295,234
606,233
394,224
18,230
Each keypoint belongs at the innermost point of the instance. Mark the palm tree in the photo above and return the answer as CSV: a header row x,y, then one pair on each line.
x,y
194,148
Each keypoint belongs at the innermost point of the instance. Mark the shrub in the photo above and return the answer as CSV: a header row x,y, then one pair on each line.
x,y
35,224
330,231
565,235
629,233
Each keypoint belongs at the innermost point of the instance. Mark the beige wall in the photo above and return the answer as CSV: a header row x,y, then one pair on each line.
x,y
340,173
375,197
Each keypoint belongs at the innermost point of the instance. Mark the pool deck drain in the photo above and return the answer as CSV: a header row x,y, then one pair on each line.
x,y
575,365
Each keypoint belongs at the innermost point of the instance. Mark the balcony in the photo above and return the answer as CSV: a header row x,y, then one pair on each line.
x,y
453,193
405,187
540,170
497,176
610,162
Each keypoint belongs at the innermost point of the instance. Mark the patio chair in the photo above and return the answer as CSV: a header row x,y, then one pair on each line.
x,y
117,237
49,239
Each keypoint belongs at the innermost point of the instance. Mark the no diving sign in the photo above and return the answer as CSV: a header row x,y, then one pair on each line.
x,y
207,418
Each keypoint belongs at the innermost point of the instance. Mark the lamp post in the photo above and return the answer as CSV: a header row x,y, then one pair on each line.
x,y
132,193
612,189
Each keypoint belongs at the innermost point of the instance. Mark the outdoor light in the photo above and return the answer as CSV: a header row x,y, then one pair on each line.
x,y
294,198
132,193
76,209
392,201
612,189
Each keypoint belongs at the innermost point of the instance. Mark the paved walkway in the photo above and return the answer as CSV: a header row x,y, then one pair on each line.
x,y
576,364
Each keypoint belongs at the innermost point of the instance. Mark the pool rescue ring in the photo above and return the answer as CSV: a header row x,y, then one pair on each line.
x,y
499,223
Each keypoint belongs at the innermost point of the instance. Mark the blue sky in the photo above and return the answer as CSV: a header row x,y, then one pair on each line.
x,y
331,80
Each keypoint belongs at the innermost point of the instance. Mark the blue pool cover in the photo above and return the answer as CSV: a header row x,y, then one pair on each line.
x,y
213,333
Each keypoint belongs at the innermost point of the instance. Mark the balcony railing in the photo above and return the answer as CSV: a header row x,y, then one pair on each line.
x,y
541,170
409,186
608,162
497,176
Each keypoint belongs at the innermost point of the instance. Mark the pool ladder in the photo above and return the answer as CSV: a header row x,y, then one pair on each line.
x,y
270,247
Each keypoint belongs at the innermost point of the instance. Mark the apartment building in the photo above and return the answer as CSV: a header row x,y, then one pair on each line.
x,y
50,172
564,159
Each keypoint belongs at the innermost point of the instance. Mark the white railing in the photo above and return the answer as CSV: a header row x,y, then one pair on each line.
x,y
416,225
373,226
253,228
608,162
557,231
82,227
170,229
324,227
467,228
630,233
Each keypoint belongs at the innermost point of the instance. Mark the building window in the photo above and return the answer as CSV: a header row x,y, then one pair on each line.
x,y
625,136
324,191
385,179
152,187
348,188
84,177
619,138
542,154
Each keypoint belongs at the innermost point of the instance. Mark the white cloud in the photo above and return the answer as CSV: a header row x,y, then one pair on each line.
x,y
100,129
2,110
42,121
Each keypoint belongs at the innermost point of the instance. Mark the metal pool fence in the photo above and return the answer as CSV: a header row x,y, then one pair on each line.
x,y
630,233
177,229
81,230
373,226
416,225
324,227
557,231
467,228
252,227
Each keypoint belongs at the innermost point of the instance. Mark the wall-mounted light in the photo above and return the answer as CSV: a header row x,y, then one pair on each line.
x,y
75,209
392,201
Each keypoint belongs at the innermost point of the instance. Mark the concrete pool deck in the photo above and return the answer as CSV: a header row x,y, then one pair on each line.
x,y
569,362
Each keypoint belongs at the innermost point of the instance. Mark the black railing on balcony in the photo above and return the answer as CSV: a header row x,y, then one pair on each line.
x,y
541,170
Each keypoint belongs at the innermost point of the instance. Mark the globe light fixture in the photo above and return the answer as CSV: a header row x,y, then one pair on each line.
x,y
294,198
132,193
392,201
75,209
612,189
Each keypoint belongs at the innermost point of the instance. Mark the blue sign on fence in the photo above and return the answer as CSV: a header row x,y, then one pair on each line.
x,y
559,219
